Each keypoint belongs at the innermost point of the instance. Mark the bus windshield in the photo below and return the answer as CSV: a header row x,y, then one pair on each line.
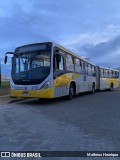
x,y
31,67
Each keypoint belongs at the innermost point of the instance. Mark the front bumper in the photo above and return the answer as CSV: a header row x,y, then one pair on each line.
x,y
45,93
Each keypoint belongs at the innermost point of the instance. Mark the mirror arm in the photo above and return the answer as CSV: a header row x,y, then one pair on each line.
x,y
11,53
5,60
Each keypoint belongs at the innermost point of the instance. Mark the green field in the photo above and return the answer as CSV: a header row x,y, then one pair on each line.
x,y
5,83
5,88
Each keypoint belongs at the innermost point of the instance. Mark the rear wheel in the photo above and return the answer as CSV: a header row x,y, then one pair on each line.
x,y
93,88
71,92
111,87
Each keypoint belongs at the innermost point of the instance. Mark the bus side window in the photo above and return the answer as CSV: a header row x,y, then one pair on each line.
x,y
89,69
86,68
58,60
69,63
93,71
77,65
108,73
81,66
105,74
55,63
101,73
113,74
116,74
61,64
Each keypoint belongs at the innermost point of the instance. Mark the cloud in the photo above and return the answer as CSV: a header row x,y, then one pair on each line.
x,y
103,48
98,46
89,28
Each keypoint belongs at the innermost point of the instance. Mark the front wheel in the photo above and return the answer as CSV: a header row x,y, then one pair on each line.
x,y
71,92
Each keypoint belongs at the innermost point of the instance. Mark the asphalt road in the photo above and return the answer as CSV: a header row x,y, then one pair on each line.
x,y
90,122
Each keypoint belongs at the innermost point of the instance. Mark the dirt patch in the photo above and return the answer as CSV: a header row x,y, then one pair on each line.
x,y
4,90
4,100
7,99
4,93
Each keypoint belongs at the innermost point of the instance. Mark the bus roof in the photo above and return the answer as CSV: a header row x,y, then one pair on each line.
x,y
77,56
67,50
61,47
109,68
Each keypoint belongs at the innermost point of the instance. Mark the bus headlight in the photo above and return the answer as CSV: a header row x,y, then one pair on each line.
x,y
46,85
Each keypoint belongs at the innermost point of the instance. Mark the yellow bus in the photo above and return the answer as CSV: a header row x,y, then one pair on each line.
x,y
107,78
48,70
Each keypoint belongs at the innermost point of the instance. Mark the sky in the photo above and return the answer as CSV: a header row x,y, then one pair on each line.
x,y
90,28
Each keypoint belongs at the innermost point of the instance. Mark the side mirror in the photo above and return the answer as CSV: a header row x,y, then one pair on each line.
x,y
5,60
58,57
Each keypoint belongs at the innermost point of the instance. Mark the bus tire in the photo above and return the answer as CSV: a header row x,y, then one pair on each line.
x,y
111,87
93,88
71,92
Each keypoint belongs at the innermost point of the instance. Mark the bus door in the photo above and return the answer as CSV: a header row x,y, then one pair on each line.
x,y
80,80
60,82
86,77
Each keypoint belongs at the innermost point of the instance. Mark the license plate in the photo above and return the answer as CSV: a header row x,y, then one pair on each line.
x,y
26,93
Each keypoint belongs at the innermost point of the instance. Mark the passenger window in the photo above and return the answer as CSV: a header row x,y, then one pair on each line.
x,y
110,74
81,66
116,74
102,73
86,68
69,63
89,69
113,73
106,74
58,59
93,71
77,65
61,64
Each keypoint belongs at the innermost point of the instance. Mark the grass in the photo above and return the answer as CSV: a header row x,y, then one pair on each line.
x,y
5,83
5,88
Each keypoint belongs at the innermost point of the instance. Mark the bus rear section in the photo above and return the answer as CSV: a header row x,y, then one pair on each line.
x,y
107,78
